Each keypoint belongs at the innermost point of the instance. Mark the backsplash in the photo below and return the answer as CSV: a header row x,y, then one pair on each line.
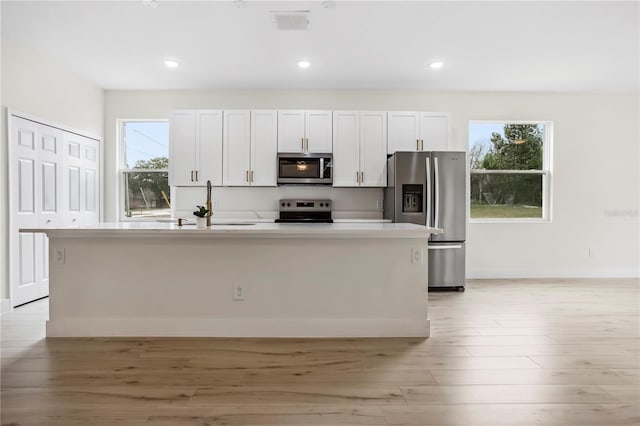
x,y
262,202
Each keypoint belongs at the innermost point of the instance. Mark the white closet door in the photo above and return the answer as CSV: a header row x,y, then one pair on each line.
x,y
72,179
54,180
25,187
50,164
90,196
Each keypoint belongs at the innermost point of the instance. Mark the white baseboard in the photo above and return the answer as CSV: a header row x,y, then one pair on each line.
x,y
5,305
506,273
238,327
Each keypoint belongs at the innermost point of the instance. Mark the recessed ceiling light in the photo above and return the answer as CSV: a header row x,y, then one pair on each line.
x,y
152,4
436,65
171,63
304,64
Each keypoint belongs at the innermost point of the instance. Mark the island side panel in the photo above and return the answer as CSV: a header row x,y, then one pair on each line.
x,y
292,287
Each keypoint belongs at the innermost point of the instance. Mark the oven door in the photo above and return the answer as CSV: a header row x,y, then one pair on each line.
x,y
304,169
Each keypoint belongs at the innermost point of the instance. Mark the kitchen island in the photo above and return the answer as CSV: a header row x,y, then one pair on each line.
x,y
238,280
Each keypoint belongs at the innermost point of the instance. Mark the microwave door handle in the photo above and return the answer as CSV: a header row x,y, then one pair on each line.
x,y
321,168
436,181
428,183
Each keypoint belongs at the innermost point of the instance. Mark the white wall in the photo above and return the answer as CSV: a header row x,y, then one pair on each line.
x,y
595,176
37,85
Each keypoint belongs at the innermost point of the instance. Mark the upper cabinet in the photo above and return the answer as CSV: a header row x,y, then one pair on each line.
x,y
305,131
250,147
360,149
418,131
196,148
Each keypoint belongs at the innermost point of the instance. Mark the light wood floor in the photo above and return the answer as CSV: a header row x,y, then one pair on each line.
x,y
551,352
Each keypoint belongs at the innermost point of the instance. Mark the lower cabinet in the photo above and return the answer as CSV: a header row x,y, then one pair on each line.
x,y
359,149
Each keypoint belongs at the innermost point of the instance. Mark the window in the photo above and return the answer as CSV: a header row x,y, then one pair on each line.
x,y
509,165
144,169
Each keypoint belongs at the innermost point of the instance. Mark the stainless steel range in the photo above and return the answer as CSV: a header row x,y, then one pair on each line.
x,y
305,211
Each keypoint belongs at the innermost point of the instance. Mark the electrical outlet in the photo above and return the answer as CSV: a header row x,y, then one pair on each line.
x,y
214,204
60,256
416,256
378,204
593,252
238,292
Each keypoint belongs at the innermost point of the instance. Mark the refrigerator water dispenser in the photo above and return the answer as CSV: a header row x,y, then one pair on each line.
x,y
412,196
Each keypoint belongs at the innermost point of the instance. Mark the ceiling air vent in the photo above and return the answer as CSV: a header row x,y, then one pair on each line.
x,y
291,20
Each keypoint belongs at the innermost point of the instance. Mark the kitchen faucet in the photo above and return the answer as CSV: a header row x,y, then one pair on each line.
x,y
209,203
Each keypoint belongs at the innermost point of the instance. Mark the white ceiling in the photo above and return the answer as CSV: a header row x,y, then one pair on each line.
x,y
486,46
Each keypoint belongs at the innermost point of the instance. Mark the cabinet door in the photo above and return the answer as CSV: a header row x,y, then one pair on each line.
x,y
208,159
236,148
435,129
373,148
346,148
403,131
264,147
290,131
182,145
318,129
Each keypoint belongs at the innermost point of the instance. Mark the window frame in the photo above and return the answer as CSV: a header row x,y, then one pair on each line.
x,y
546,172
121,170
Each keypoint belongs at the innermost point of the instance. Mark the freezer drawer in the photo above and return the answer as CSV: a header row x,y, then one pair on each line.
x,y
447,264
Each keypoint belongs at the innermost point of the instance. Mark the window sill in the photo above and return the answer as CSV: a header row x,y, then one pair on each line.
x,y
505,220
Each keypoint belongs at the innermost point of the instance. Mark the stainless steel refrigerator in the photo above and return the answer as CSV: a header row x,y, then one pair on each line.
x,y
429,188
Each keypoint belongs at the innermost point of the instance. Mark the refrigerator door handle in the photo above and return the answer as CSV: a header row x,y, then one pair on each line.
x,y
444,247
428,209
436,196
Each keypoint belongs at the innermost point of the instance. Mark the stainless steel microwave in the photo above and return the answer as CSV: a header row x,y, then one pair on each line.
x,y
305,169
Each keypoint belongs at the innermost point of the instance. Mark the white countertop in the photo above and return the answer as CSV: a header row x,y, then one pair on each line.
x,y
241,229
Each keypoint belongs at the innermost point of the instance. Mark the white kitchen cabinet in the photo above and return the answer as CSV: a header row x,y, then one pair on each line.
x,y
196,148
418,131
236,148
264,148
360,149
250,148
305,131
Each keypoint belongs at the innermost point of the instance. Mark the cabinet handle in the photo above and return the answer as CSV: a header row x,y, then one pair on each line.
x,y
246,175
251,177
417,144
307,145
361,177
191,175
196,175
421,145
302,140
357,177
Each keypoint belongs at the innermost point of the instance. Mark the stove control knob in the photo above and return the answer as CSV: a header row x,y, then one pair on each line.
x,y
282,204
288,204
321,204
